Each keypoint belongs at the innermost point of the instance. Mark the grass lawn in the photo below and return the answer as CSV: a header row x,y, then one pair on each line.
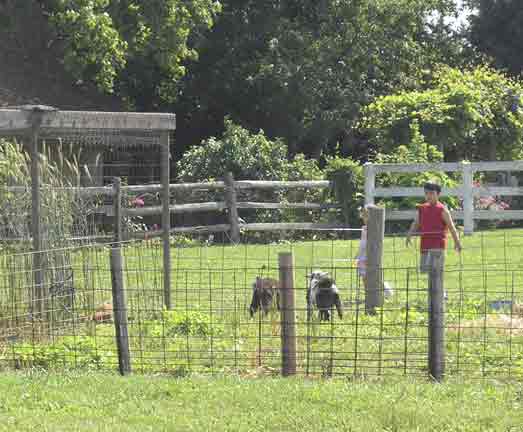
x,y
210,330
105,402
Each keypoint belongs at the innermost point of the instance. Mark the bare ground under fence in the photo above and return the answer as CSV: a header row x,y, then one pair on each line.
x,y
209,328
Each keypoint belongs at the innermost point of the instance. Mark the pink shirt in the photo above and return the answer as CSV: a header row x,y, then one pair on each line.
x,y
362,253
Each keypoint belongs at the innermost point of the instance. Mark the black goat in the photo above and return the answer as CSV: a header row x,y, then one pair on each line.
x,y
265,292
322,293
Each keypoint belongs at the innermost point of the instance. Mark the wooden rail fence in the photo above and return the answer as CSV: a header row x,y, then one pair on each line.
x,y
467,191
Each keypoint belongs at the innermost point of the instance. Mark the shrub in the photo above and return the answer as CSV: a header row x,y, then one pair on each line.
x,y
79,351
177,323
346,176
248,156
469,114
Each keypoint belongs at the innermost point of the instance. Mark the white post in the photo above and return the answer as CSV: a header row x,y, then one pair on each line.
x,y
370,183
468,197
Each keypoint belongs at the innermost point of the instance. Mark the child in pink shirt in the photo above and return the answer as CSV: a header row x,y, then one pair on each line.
x,y
361,258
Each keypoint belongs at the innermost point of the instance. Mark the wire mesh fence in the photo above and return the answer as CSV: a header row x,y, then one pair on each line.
x,y
69,321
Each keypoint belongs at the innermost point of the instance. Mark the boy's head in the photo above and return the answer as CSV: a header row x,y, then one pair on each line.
x,y
432,191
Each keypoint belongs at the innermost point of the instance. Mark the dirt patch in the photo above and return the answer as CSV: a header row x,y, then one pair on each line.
x,y
501,324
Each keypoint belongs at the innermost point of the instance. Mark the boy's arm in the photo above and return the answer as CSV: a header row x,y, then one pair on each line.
x,y
447,218
414,229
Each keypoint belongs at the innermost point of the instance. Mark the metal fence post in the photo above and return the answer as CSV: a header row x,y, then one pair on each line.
x,y
375,238
288,314
166,218
230,197
120,311
436,352
36,220
117,209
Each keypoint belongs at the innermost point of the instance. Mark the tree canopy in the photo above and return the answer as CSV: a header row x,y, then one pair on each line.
x,y
302,70
495,30
319,77
466,114
136,48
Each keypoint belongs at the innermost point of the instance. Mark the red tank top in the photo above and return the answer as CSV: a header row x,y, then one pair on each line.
x,y
433,229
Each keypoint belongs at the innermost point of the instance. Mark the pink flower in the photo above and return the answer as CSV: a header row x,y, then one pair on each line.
x,y
138,202
486,202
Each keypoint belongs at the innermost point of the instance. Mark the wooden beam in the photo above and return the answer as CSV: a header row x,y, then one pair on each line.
x,y
375,239
421,167
516,165
120,310
410,214
14,120
18,119
498,215
230,199
413,192
80,191
498,190
478,214
284,205
450,166
267,184
177,208
288,314
419,192
175,187
293,226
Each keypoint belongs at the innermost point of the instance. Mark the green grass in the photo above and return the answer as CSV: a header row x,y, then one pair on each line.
x,y
104,402
211,288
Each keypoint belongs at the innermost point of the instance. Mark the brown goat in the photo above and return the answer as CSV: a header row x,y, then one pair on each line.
x,y
265,293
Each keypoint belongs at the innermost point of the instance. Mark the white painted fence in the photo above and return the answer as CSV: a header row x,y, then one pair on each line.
x,y
467,190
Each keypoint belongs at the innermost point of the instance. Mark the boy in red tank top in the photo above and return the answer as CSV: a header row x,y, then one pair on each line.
x,y
432,222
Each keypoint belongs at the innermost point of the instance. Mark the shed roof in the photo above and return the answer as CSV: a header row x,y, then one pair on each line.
x,y
87,128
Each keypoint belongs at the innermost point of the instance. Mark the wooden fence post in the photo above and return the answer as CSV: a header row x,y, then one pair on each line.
x,y
230,198
288,314
375,237
36,220
120,311
370,182
468,198
117,209
166,218
436,352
